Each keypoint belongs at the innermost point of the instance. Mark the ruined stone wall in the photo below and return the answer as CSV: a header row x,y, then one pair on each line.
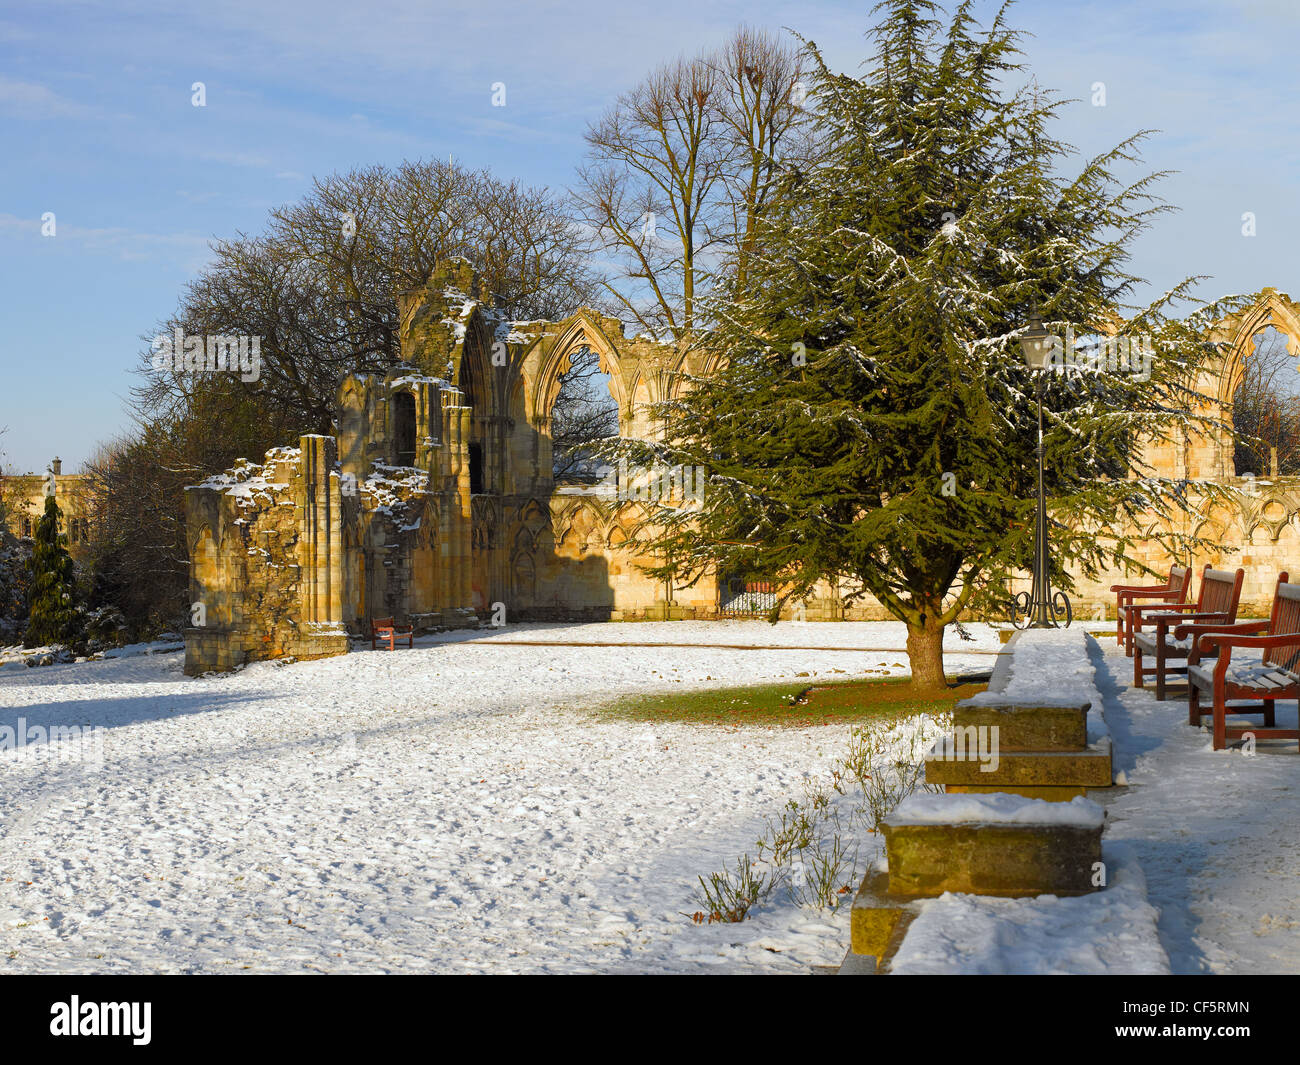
x,y
267,560
290,557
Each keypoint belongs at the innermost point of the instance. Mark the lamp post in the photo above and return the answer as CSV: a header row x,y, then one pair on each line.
x,y
1040,608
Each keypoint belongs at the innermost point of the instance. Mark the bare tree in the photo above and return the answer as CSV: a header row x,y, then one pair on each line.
x,y
761,104
584,412
651,191
1266,409
12,503
319,287
679,170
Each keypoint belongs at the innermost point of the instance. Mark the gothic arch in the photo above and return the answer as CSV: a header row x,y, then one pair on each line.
x,y
534,512
582,530
517,405
581,331
403,416
1272,309
1213,528
480,382
690,364
644,394
523,578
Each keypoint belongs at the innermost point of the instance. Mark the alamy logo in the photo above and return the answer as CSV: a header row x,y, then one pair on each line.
x,y
971,743
661,484
210,354
103,1018
58,743
1134,355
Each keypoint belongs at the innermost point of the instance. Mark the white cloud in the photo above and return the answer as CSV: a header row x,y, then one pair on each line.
x,y
188,248
29,99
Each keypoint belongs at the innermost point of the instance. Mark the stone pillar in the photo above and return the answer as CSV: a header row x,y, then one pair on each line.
x,y
320,551
446,516
465,563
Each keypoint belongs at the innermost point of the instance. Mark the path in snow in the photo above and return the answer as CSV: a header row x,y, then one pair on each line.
x,y
1217,832
427,810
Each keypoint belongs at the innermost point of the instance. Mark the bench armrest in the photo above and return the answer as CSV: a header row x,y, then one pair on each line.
x,y
1146,613
1165,620
1227,642
1244,628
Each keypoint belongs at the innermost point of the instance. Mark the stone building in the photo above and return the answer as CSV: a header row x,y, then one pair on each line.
x,y
24,503
435,501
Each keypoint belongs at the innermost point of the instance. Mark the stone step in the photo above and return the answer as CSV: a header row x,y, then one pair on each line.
x,y
1047,792
954,765
997,844
1025,724
879,920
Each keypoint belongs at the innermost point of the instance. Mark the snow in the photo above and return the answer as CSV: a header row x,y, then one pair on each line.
x,y
411,379
1215,831
994,808
455,808
1112,930
1200,848
459,808
1107,932
1055,663
878,635
1000,699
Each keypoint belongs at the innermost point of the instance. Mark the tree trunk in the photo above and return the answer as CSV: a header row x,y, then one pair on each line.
x,y
925,653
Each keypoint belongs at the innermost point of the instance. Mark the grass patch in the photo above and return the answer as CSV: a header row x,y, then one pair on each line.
x,y
797,704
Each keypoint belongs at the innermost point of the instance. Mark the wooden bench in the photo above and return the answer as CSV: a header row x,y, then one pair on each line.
x,y
1171,593
382,629
1215,605
1276,676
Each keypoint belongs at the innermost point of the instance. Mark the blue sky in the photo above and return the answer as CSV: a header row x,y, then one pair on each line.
x,y
97,126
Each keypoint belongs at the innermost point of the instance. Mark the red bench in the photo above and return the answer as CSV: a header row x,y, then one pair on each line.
x,y
1216,605
385,629
1276,676
1128,611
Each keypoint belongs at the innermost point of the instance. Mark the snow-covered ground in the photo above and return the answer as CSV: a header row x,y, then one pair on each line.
x,y
1202,847
1103,933
451,808
1217,832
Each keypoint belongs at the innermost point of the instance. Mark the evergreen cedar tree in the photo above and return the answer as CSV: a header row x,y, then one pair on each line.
x,y
53,615
868,417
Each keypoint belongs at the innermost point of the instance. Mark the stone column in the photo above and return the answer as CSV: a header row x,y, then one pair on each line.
x,y
320,551
466,550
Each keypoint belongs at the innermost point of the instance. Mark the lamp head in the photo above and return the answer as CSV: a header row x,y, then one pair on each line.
x,y
1036,343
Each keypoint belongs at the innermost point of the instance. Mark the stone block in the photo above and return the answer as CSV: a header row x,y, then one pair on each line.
x,y
1003,845
1047,792
1027,724
879,920
1090,767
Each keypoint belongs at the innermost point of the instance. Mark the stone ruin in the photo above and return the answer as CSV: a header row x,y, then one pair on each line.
x,y
435,501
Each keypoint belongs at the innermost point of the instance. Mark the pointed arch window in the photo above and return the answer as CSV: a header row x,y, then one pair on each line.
x,y
584,412
1266,408
403,429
